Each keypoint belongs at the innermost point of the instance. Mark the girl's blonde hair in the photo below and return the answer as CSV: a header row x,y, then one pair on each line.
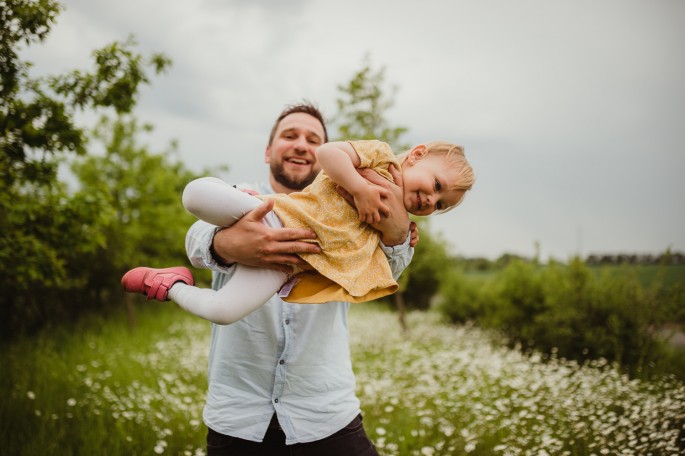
x,y
454,155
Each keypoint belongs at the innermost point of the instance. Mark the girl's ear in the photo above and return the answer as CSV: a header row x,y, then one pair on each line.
x,y
417,153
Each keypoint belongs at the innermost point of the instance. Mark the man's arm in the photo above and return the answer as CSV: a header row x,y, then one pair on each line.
x,y
252,243
249,242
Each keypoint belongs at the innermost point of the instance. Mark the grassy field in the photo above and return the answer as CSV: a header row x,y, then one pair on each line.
x,y
98,388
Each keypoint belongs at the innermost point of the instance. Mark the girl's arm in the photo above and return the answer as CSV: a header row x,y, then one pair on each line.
x,y
340,161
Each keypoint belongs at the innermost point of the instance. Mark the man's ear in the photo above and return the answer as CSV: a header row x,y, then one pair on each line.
x,y
417,153
267,155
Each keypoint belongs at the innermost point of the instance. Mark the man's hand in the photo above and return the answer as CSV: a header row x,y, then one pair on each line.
x,y
393,228
252,243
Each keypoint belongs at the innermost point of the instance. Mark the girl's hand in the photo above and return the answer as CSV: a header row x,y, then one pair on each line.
x,y
395,227
370,205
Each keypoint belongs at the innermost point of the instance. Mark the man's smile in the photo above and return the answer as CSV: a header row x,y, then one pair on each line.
x,y
298,161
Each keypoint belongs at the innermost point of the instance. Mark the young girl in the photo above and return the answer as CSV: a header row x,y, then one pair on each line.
x,y
351,266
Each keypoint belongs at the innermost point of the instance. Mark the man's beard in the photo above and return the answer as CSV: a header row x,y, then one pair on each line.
x,y
291,182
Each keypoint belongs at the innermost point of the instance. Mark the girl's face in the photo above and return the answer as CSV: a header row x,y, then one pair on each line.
x,y
427,182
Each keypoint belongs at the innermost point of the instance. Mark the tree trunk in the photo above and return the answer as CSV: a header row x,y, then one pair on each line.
x,y
401,310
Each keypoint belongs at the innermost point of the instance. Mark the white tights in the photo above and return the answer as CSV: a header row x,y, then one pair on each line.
x,y
216,202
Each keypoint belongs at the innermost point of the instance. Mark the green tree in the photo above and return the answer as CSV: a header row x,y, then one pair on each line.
x,y
362,108
428,268
37,114
138,196
44,231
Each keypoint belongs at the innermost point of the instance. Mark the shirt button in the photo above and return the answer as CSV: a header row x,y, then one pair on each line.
x,y
287,322
281,362
276,400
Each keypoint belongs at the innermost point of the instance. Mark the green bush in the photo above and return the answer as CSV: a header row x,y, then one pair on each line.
x,y
464,299
57,247
609,316
421,280
572,311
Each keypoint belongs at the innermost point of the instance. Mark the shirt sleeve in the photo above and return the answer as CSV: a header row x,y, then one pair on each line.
x,y
376,155
199,247
399,256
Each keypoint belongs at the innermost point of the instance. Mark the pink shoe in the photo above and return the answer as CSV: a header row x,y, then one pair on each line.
x,y
155,283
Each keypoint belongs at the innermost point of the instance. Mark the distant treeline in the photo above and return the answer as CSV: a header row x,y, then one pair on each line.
x,y
594,259
666,258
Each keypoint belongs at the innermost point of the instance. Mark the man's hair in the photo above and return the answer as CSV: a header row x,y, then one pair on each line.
x,y
304,107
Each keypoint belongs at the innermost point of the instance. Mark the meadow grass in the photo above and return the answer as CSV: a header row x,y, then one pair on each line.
x,y
446,390
98,388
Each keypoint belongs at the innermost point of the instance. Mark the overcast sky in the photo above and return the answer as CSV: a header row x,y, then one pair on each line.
x,y
571,112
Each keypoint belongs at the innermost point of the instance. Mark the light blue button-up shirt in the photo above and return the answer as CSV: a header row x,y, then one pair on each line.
x,y
293,359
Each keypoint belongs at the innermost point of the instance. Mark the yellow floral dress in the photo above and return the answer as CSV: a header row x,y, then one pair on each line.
x,y
351,267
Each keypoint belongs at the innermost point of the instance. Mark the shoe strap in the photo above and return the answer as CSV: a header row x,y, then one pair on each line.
x,y
157,289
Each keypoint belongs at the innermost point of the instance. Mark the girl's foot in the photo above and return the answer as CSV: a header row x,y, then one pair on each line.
x,y
155,283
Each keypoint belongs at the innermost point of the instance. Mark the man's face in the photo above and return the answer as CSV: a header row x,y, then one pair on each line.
x,y
291,154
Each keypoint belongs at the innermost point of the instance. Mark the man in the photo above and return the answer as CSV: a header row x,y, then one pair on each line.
x,y
281,378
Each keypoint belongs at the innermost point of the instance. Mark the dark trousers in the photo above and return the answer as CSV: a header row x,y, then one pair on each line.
x,y
349,441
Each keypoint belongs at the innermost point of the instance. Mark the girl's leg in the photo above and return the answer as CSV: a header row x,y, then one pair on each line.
x,y
216,202
247,289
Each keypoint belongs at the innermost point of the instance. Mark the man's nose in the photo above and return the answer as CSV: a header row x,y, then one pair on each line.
x,y
301,145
